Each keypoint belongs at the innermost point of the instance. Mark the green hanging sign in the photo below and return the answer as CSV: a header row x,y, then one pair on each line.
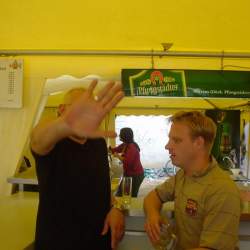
x,y
157,83
186,83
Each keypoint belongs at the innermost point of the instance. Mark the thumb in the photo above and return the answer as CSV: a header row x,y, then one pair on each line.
x,y
98,133
105,228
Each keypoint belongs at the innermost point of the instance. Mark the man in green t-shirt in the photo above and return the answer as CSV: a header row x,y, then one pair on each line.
x,y
207,201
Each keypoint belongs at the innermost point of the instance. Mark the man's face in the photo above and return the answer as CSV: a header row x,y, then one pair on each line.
x,y
182,148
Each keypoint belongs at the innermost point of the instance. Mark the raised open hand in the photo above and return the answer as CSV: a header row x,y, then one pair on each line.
x,y
85,114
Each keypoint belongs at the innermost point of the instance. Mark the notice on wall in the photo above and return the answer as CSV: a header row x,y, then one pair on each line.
x,y
11,83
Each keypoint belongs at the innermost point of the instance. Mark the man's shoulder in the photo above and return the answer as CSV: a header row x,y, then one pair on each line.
x,y
180,174
217,173
219,179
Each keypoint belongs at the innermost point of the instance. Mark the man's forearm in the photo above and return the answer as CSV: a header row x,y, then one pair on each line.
x,y
46,134
200,248
152,203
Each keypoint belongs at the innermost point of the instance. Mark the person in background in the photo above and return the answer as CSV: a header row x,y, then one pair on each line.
x,y
75,210
129,153
207,201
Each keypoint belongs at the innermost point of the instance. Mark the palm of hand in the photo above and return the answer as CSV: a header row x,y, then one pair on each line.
x,y
84,116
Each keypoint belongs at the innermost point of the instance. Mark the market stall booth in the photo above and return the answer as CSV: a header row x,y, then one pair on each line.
x,y
224,95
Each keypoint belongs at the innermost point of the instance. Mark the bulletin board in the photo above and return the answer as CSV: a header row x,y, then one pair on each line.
x,y
11,83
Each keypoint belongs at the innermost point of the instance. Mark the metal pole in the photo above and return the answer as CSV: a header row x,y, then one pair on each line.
x,y
34,52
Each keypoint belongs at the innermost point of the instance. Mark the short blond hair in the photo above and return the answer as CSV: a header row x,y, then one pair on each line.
x,y
199,125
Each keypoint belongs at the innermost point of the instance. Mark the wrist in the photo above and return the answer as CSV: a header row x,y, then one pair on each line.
x,y
63,128
153,215
117,204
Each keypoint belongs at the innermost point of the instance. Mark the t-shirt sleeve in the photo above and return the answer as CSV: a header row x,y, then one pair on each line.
x,y
166,190
41,158
104,149
220,228
43,162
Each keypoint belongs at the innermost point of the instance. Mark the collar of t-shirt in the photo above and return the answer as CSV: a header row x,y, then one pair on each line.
x,y
211,165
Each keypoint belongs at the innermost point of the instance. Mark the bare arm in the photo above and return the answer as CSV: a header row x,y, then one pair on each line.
x,y
46,134
200,248
81,119
115,221
117,151
152,208
152,204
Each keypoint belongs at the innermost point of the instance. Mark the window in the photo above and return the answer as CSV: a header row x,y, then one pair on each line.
x,y
151,134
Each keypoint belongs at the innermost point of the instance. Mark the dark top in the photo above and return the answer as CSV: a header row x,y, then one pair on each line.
x,y
131,159
74,196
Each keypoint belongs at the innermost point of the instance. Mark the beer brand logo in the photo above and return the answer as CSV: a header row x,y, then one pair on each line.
x,y
157,82
191,207
156,76
15,65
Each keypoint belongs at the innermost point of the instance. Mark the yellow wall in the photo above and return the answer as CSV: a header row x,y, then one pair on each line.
x,y
141,24
196,25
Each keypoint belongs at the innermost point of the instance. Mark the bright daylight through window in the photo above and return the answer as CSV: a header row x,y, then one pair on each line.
x,y
151,133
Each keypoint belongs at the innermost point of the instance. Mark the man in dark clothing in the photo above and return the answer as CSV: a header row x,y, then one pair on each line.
x,y
73,174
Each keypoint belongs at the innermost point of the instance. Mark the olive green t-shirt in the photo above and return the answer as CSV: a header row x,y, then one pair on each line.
x,y
207,208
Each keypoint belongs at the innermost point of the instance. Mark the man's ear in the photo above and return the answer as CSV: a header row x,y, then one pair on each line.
x,y
200,142
60,109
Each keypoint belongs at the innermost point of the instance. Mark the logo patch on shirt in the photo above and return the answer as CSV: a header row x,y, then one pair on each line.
x,y
191,207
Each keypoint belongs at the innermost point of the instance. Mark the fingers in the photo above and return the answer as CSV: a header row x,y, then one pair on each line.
x,y
110,91
117,225
113,239
91,88
113,102
98,134
116,236
153,232
108,96
105,228
103,92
